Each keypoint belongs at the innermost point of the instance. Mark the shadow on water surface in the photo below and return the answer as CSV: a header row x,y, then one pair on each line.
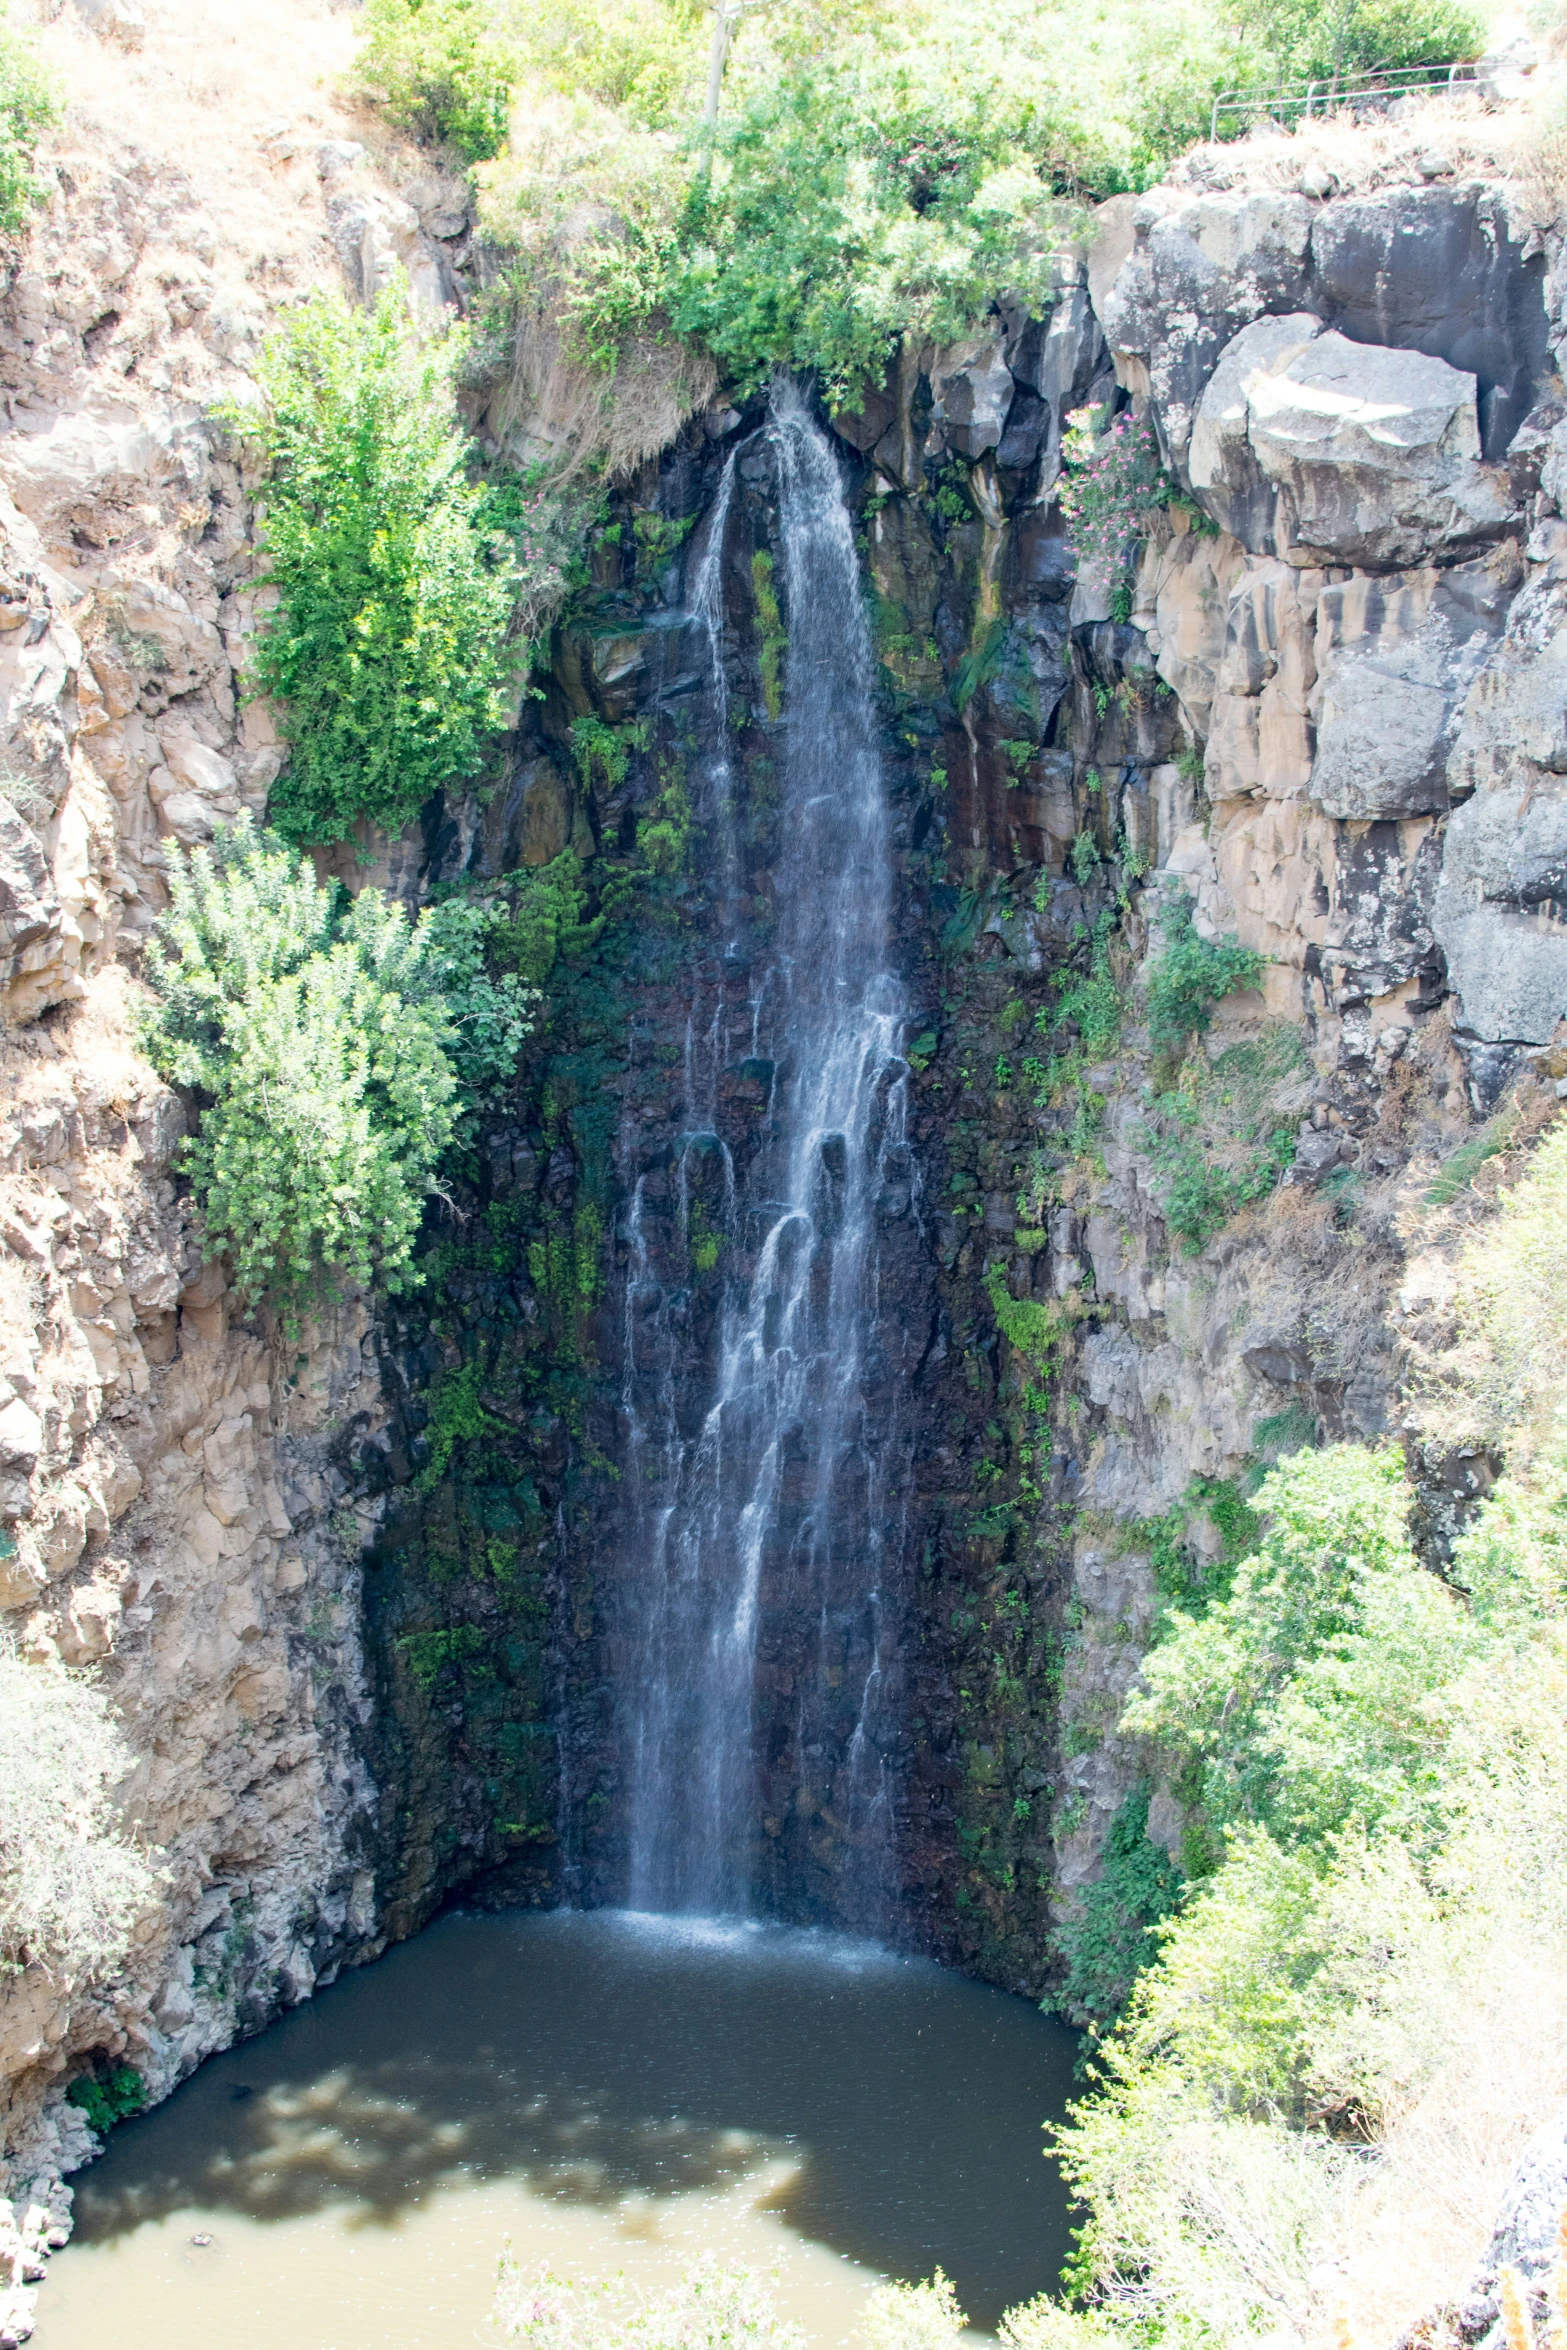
x,y
602,2058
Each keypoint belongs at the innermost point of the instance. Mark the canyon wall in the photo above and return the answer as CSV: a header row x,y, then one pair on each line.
x,y
185,1497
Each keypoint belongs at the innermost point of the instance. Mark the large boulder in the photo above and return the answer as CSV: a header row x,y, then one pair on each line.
x,y
1446,271
1332,452
1500,904
1222,466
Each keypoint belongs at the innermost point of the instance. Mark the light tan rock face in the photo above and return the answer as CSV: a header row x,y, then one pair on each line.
x,y
176,1519
1373,645
1363,628
175,1508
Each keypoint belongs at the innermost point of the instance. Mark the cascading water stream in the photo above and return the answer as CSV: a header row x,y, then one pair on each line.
x,y
778,1502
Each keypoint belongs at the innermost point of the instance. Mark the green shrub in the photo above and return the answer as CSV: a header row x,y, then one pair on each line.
x,y
1190,976
103,2103
29,106
72,1884
332,1045
1309,40
387,648
1226,1132
1106,1948
443,69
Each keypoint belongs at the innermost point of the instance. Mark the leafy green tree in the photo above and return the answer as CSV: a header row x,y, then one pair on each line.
x,y
1332,1572
387,647
332,1046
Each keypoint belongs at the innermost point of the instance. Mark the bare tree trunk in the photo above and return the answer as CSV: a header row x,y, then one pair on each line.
x,y
717,58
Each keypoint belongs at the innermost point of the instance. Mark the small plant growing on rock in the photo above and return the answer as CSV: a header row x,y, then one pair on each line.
x,y
102,2103
1191,976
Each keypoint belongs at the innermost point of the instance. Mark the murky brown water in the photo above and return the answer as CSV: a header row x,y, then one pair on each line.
x,y
612,2094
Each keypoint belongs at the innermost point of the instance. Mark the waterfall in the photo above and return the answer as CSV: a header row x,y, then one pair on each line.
x,y
764,1521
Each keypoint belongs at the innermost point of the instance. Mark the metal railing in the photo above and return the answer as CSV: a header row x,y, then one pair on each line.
x,y
1359,93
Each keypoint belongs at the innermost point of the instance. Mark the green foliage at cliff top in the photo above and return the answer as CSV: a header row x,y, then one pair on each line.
x,y
387,647
332,1047
876,169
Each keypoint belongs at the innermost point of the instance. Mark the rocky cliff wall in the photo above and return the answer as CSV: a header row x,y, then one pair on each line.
x,y
185,1499
1324,709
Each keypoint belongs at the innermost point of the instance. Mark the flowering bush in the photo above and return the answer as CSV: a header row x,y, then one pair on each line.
x,y
1112,482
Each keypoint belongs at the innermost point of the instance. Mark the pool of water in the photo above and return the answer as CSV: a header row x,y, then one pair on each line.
x,y
608,2093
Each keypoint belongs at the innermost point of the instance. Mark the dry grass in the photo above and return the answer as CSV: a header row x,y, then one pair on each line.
x,y
1414,2224
1524,144
552,409
1488,1353
210,79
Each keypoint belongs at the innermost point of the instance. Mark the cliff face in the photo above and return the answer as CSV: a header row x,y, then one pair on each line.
x,y
1323,710
185,1500
1328,706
